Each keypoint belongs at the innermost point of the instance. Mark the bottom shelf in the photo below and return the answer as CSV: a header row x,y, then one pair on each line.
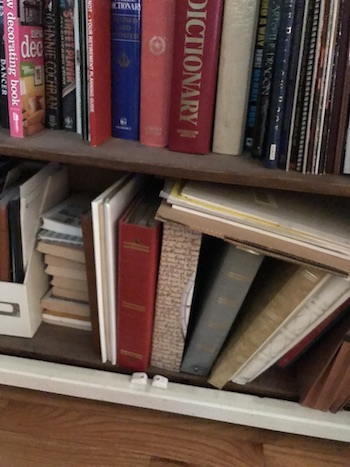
x,y
225,406
74,347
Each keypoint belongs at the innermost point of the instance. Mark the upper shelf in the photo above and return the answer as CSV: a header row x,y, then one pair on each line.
x,y
132,156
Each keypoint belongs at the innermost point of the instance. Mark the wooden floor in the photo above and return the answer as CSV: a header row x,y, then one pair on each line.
x,y
40,429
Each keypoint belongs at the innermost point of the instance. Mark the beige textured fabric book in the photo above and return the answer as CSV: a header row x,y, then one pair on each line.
x,y
236,56
177,271
278,289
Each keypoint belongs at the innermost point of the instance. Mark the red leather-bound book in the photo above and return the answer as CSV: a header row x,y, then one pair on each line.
x,y
156,64
138,258
313,335
194,75
99,70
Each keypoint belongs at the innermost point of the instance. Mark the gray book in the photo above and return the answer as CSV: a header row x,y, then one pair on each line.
x,y
222,285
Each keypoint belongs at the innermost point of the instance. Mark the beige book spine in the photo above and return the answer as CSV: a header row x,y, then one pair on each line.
x,y
235,64
51,260
260,319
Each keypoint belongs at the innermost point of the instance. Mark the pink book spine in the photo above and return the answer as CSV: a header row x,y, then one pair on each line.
x,y
156,65
12,51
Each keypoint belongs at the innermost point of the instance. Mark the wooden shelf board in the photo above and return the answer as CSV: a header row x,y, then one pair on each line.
x,y
74,347
131,156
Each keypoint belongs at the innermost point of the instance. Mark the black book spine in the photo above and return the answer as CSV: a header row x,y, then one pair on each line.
x,y
52,56
256,72
262,108
4,114
291,87
279,84
308,89
69,116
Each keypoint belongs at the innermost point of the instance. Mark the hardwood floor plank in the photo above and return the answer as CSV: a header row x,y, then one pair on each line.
x,y
276,456
19,450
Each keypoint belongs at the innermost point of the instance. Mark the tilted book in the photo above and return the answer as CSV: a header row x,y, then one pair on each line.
x,y
126,52
177,273
223,280
235,64
138,259
53,69
194,73
24,50
326,297
278,289
158,18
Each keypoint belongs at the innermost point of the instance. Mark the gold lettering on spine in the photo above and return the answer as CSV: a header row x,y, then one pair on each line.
x,y
195,29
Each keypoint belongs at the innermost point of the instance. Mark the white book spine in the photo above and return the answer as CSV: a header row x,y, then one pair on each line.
x,y
235,64
326,299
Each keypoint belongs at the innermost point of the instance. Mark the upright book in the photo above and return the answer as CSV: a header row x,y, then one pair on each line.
x,y
69,115
99,58
223,280
52,59
156,66
126,60
177,273
194,73
25,67
235,64
138,259
4,117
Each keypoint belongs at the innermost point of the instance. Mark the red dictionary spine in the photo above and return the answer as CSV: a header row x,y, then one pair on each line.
x,y
301,346
99,58
138,260
156,63
194,75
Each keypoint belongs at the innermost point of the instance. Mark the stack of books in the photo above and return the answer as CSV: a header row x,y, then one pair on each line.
x,y
61,241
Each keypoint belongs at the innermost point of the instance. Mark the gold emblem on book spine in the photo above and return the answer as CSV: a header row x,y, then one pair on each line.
x,y
124,60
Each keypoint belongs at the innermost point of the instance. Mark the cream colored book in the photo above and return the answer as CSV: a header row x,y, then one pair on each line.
x,y
51,260
71,252
176,278
278,289
61,292
66,272
59,305
235,64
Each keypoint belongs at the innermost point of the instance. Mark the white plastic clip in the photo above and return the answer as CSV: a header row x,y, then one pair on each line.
x,y
139,378
159,381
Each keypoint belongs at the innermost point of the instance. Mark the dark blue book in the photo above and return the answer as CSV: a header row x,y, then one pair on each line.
x,y
279,84
300,12
126,59
256,72
267,70
4,114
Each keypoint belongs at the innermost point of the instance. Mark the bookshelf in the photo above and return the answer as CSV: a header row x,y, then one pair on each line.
x,y
62,361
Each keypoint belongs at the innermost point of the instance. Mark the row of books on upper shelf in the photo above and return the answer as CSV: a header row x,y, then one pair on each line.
x,y
272,76
178,276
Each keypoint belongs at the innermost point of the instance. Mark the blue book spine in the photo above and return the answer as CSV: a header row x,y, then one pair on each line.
x,y
279,84
256,72
126,59
300,11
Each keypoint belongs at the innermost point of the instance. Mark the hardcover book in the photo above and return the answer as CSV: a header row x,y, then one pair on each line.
x,y
99,58
268,305
4,117
236,55
223,280
138,259
256,72
156,68
69,114
126,62
266,78
53,69
194,73
177,272
25,67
